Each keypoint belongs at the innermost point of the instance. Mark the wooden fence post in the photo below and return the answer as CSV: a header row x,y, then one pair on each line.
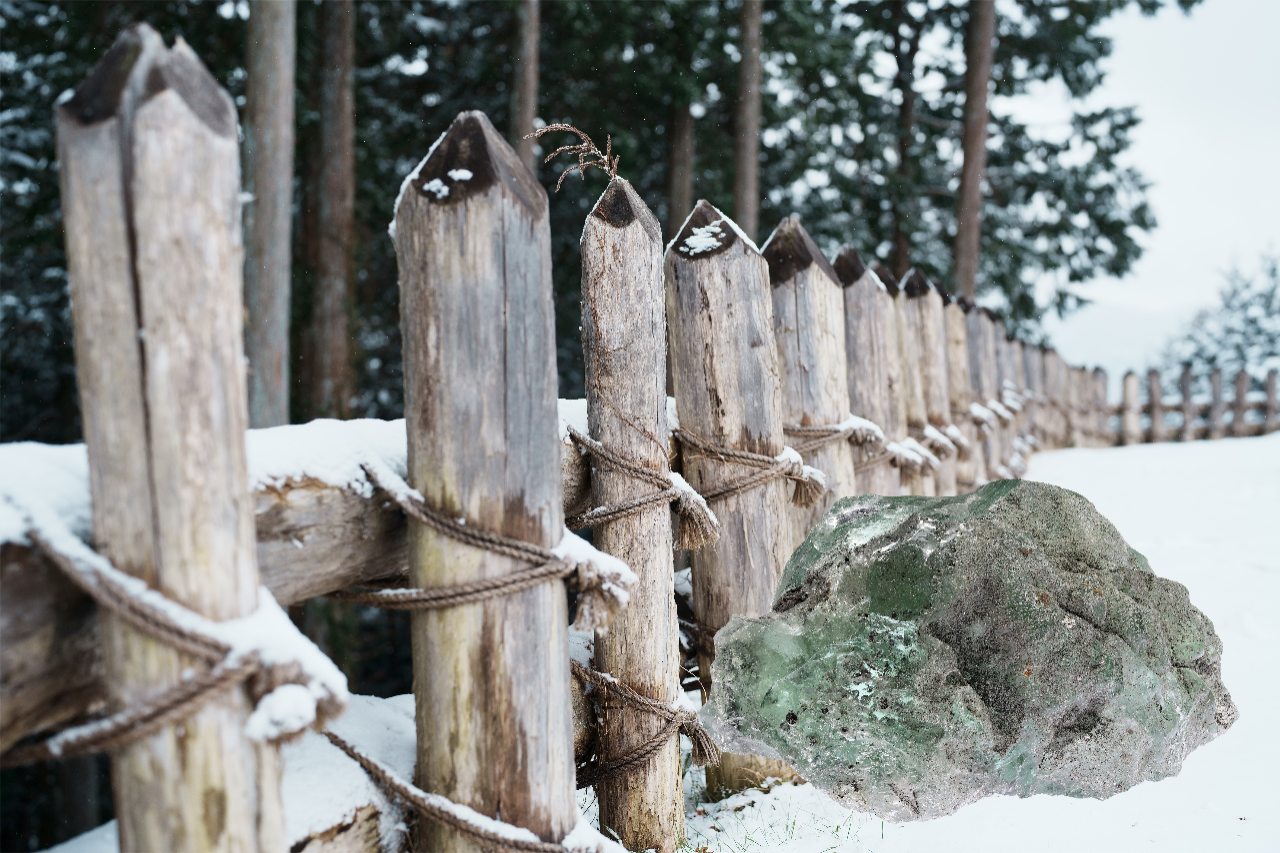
x,y
727,390
1186,384
624,345
1131,414
808,325
1216,405
1057,383
1033,362
1020,359
927,336
982,374
1101,409
1271,416
1240,405
896,431
1155,396
491,678
149,154
1052,388
921,483
970,467
1073,403
1003,375
867,313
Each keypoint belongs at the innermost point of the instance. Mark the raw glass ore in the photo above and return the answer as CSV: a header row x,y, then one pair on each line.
x,y
923,653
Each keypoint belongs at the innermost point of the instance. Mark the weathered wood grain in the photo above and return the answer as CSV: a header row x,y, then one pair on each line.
x,y
982,377
970,468
728,391
867,316
1217,406
491,678
925,307
624,345
808,325
173,166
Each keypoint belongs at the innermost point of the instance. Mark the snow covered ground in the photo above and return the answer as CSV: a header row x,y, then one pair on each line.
x,y
1205,514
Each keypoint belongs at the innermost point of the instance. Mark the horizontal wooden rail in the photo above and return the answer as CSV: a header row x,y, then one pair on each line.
x,y
313,539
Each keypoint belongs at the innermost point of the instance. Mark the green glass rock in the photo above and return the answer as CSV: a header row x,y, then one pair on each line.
x,y
923,653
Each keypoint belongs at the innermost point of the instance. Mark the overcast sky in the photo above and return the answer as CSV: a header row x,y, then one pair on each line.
x,y
1207,87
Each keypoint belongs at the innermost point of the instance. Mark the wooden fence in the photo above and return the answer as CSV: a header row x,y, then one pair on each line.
x,y
793,382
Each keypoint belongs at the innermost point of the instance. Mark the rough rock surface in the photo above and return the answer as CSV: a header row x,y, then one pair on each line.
x,y
926,652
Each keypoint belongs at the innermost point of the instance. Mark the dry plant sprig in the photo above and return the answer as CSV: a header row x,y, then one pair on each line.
x,y
586,149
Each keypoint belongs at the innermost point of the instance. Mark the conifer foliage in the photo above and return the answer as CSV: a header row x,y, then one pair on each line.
x,y
837,146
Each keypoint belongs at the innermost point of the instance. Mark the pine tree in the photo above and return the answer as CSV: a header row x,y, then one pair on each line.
x,y
1241,333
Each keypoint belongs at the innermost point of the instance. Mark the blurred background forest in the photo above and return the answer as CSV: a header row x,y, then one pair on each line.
x,y
862,109
862,117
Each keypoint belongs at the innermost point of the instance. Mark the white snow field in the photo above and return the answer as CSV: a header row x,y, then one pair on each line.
x,y
1206,514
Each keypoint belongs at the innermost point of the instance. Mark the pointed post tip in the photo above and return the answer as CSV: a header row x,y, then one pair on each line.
x,y
469,159
790,251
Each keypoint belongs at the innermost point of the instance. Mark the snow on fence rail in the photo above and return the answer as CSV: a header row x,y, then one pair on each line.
x,y
794,382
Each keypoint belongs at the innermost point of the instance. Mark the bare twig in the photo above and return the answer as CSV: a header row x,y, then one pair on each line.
x,y
588,154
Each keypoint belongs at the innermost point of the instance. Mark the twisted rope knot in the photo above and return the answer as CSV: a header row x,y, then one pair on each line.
x,y
679,720
601,593
698,524
228,670
810,483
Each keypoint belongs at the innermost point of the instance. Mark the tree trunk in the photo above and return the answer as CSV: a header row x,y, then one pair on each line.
x,y
329,374
268,154
526,89
151,183
680,169
727,390
623,323
867,314
905,48
746,183
491,678
979,49
808,325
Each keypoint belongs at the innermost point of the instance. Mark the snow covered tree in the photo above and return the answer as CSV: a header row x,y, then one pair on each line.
x,y
1242,333
871,151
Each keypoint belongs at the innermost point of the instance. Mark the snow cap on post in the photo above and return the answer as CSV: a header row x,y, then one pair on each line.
x,y
886,278
707,232
849,266
466,161
790,251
